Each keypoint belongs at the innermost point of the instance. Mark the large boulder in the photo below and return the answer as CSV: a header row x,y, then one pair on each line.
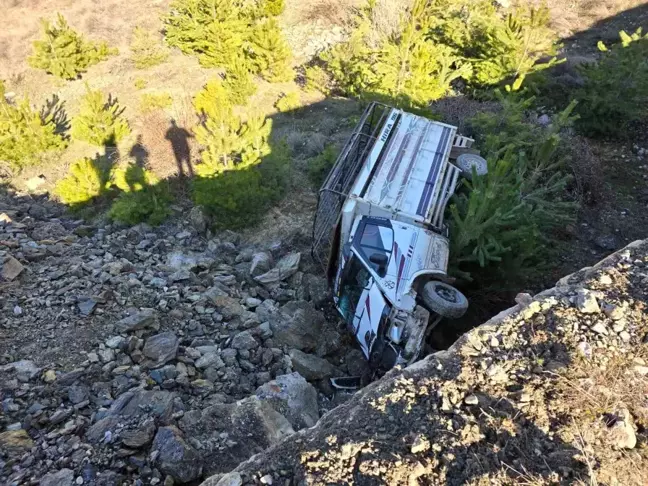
x,y
293,397
231,433
175,457
160,349
312,367
297,325
286,267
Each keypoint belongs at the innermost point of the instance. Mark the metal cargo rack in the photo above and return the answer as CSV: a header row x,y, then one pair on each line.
x,y
341,178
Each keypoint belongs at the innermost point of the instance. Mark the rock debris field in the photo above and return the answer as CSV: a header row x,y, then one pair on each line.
x,y
153,356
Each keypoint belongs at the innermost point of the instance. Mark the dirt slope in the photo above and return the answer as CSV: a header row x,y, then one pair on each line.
x,y
552,391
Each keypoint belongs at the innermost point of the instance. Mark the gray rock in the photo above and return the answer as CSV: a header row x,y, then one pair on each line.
x,y
210,360
175,456
140,320
586,302
64,477
286,267
251,425
161,348
25,369
87,306
198,219
607,242
116,342
316,289
356,363
50,230
244,340
14,443
261,263
293,397
140,404
297,325
312,367
140,436
78,393
10,268
622,434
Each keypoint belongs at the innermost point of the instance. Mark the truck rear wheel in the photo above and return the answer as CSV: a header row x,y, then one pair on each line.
x,y
444,299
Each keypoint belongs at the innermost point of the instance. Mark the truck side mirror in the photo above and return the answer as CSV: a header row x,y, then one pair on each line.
x,y
381,260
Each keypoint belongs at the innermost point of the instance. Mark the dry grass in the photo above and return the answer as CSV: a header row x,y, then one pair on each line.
x,y
592,391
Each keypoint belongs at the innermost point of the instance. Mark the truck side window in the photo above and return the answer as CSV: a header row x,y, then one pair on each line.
x,y
377,241
356,278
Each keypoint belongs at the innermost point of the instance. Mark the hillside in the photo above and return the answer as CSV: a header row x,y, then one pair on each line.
x,y
551,391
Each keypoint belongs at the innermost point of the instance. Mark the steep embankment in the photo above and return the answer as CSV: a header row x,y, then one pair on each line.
x,y
554,390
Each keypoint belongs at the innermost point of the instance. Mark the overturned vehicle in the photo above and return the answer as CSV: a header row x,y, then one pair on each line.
x,y
379,231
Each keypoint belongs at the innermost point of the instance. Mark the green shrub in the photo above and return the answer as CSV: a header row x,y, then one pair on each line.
x,y
150,205
239,197
26,135
64,53
615,89
228,33
86,180
320,166
140,83
317,79
143,198
146,50
288,102
155,101
99,120
239,83
508,218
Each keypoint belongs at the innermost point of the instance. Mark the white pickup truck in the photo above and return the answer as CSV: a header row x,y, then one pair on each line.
x,y
379,230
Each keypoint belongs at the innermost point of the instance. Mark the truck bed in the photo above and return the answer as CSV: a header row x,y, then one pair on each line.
x,y
408,169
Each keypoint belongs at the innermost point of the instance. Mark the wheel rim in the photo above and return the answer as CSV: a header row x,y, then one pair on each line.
x,y
446,294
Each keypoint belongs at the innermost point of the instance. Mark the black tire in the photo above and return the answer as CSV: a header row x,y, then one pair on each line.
x,y
444,299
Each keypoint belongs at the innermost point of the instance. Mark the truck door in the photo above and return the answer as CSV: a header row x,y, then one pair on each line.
x,y
360,302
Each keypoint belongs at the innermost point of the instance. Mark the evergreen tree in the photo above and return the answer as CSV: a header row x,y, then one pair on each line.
x,y
269,52
146,50
273,7
99,120
64,53
239,83
512,48
25,134
85,181
228,142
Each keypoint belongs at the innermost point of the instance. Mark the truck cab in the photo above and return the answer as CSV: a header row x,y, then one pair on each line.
x,y
380,235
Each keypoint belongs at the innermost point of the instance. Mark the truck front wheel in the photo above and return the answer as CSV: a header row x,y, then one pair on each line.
x,y
444,299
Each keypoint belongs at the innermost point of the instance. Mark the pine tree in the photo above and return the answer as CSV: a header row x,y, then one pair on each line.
x,y
146,50
254,135
85,181
269,52
239,83
512,48
218,133
99,120
64,53
273,7
25,135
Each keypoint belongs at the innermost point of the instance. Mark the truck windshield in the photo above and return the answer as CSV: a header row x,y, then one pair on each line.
x,y
356,277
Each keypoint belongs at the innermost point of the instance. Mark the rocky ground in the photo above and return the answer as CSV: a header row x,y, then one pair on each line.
x,y
153,356
552,391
